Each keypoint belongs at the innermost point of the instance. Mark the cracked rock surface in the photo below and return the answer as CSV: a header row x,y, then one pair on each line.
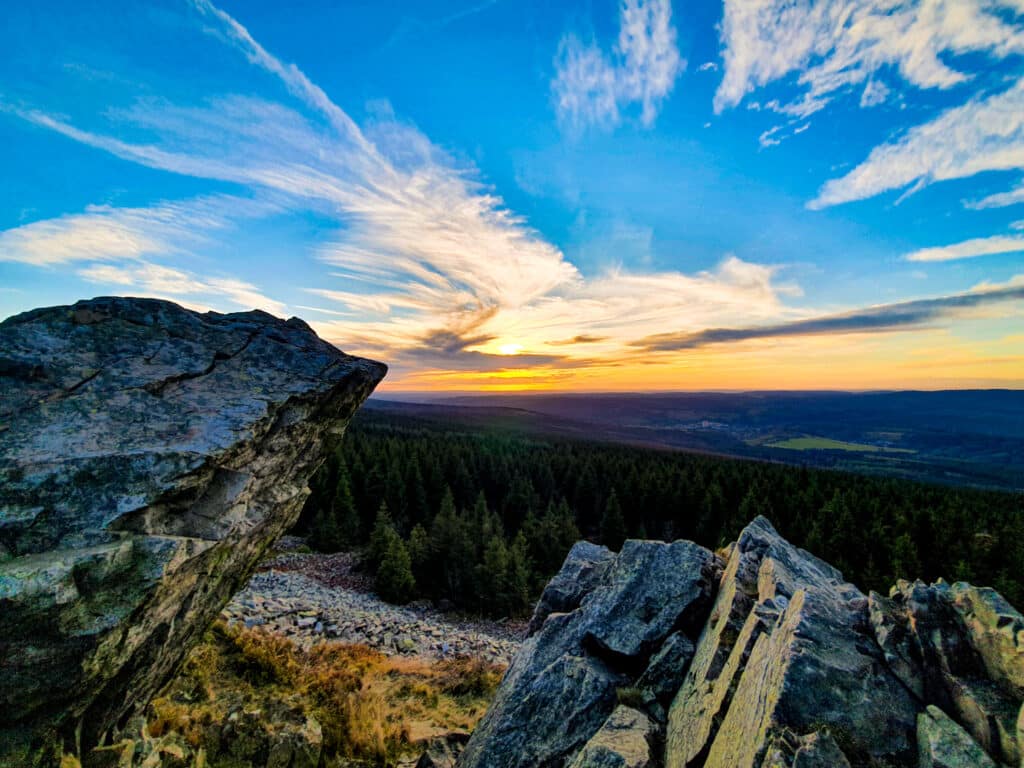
x,y
768,659
148,457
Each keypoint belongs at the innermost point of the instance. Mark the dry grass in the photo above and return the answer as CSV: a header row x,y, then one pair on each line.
x,y
370,706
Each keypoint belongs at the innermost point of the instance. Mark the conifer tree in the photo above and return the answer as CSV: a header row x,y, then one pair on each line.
x,y
454,553
395,582
323,534
394,495
346,517
380,537
564,529
519,576
492,578
417,506
613,524
420,556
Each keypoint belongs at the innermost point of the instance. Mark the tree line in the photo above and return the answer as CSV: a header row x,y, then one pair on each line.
x,y
481,518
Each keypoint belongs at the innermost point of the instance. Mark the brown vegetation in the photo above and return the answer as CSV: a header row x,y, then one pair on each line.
x,y
369,706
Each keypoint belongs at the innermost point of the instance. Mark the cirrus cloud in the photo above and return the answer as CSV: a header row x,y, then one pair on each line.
x,y
107,233
968,249
592,88
832,46
985,134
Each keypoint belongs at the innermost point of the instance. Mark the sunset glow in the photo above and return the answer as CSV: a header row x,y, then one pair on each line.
x,y
654,198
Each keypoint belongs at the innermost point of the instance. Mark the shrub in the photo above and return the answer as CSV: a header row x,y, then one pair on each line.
x,y
468,676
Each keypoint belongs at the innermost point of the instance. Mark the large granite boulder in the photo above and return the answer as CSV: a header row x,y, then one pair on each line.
x,y
148,457
568,677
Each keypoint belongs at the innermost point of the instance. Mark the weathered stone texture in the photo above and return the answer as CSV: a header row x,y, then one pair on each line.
x,y
567,678
792,667
624,741
148,457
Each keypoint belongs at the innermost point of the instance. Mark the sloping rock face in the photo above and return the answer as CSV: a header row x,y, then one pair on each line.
x,y
583,569
778,663
148,457
788,647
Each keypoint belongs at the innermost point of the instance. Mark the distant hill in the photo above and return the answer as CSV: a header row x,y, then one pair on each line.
x,y
964,437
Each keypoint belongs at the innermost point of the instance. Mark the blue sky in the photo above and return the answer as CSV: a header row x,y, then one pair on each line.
x,y
591,195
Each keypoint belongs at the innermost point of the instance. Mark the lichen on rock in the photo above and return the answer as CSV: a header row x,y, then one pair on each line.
x,y
149,455
780,664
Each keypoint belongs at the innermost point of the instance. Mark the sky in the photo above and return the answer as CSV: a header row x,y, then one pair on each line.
x,y
492,195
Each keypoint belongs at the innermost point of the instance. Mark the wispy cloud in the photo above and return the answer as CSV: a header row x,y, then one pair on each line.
x,y
874,93
582,338
832,47
167,282
985,134
426,266
881,319
426,259
295,80
107,233
117,245
981,246
999,200
410,27
593,88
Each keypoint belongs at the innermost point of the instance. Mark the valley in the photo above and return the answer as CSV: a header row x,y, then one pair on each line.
x,y
956,437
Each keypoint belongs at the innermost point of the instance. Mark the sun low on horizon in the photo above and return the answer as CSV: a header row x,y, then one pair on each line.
x,y
498,196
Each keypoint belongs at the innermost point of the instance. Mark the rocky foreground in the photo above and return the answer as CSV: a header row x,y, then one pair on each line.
x,y
149,456
669,655
289,597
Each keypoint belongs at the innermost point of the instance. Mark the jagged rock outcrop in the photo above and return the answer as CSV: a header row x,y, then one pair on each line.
x,y
942,743
957,647
788,647
567,678
148,457
583,568
780,663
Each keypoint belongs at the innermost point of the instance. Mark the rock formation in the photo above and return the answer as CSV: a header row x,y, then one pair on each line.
x,y
669,655
148,457
568,677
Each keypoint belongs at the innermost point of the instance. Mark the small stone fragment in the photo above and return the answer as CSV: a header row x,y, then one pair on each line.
x,y
624,741
942,743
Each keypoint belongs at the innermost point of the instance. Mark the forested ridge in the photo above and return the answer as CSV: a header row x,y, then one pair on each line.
x,y
482,518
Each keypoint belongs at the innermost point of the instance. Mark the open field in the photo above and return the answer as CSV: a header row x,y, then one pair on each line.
x,y
811,443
